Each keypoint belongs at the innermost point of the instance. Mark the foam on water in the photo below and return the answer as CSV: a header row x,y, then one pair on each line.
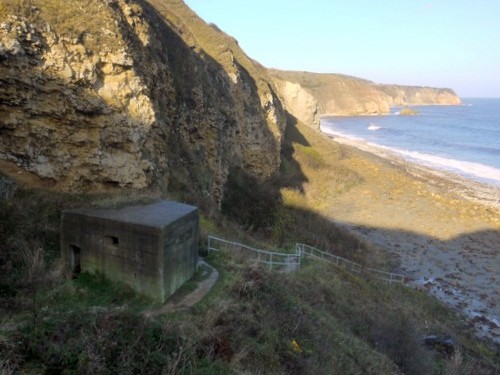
x,y
461,139
471,169
374,127
333,133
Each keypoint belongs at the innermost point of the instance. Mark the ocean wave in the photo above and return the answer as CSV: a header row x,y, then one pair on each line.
x,y
374,127
328,131
466,168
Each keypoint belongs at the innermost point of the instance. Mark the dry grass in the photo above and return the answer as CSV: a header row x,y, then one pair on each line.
x,y
222,47
246,324
91,22
320,161
335,93
313,175
255,315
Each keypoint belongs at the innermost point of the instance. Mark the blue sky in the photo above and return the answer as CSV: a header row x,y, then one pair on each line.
x,y
441,43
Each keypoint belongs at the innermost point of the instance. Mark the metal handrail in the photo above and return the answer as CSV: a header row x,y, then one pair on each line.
x,y
271,258
352,266
303,250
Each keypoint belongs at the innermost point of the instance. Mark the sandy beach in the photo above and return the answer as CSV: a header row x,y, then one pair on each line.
x,y
443,229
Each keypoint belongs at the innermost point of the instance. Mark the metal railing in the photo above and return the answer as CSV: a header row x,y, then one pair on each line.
x,y
289,262
273,260
312,252
390,277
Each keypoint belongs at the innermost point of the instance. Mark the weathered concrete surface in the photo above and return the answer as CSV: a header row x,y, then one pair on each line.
x,y
192,298
152,248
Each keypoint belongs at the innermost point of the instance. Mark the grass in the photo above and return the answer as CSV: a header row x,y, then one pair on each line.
x,y
336,93
250,320
247,323
369,326
89,21
320,164
253,326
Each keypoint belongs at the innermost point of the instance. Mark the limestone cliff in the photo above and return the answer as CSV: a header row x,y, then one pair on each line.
x,y
416,95
131,93
136,93
308,96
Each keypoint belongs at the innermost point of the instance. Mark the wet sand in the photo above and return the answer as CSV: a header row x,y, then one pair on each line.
x,y
443,229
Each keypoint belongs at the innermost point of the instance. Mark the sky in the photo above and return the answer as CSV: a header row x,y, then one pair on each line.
x,y
438,43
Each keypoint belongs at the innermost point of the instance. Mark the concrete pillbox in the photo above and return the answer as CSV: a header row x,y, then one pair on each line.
x,y
153,248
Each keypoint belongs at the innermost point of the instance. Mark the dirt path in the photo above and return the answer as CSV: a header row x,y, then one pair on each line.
x,y
192,298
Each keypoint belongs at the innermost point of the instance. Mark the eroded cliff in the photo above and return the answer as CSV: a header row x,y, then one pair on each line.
x,y
308,96
416,95
136,93
131,93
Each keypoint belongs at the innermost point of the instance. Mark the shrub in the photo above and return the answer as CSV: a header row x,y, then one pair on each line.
x,y
251,202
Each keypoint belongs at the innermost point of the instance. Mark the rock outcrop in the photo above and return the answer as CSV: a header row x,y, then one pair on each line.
x,y
136,93
415,95
132,94
308,96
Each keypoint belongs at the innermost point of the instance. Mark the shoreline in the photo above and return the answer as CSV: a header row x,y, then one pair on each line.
x,y
475,191
443,229
324,115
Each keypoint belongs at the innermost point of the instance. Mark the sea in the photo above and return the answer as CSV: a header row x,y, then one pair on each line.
x,y
462,139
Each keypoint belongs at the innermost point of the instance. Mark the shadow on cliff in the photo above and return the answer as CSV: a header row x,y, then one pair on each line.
x,y
291,175
260,207
208,130
463,269
201,127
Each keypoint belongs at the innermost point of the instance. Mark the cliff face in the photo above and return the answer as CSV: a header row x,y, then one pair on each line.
x,y
131,93
136,93
308,96
415,95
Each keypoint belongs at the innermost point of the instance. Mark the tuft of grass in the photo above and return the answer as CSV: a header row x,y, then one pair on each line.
x,y
326,310
88,21
320,164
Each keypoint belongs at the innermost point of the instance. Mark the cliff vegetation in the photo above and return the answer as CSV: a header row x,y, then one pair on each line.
x,y
319,320
123,93
112,102
308,96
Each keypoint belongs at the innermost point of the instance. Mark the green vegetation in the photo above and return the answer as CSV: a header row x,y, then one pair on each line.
x,y
89,21
222,47
318,320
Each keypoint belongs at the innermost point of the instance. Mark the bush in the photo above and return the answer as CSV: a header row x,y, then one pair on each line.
x,y
250,201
